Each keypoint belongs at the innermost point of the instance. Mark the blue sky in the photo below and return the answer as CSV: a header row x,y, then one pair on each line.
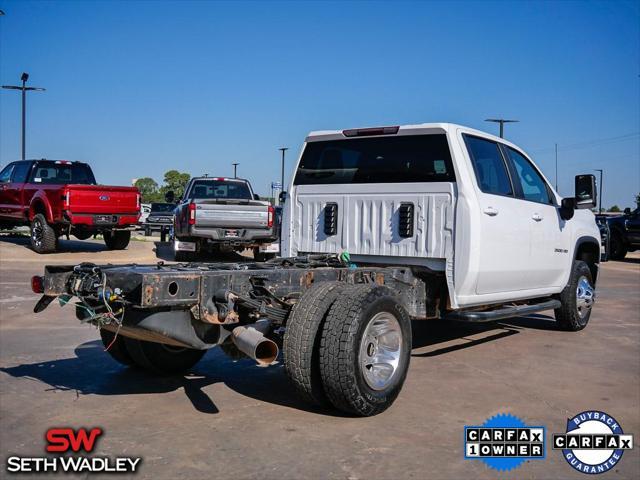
x,y
137,88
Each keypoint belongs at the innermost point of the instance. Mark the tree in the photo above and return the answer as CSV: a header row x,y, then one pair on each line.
x,y
615,209
148,189
176,182
638,200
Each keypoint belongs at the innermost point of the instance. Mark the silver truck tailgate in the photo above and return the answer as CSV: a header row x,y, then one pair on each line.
x,y
232,215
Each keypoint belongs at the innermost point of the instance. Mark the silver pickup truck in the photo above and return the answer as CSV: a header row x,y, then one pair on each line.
x,y
218,213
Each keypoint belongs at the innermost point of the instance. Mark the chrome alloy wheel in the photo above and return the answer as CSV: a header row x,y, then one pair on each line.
x,y
380,350
585,297
37,231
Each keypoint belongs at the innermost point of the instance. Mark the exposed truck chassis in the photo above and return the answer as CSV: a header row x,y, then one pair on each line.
x,y
193,304
194,307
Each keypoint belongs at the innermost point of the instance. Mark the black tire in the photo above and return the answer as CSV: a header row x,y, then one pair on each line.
x,y
118,349
572,316
258,256
341,352
302,338
163,234
43,236
117,240
617,247
162,359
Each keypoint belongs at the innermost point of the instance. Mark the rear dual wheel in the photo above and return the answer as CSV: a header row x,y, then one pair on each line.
x,y
348,346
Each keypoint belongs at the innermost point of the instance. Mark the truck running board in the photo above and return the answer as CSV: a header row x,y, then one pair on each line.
x,y
501,313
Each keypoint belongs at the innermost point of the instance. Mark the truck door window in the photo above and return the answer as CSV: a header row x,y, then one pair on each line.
x,y
533,185
392,159
5,175
491,171
20,172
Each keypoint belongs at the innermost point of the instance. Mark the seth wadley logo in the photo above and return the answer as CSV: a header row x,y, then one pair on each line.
x,y
68,440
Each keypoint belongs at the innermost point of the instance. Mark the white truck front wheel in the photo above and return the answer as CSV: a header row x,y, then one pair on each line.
x,y
577,299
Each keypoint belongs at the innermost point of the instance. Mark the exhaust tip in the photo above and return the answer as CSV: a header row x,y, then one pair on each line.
x,y
266,352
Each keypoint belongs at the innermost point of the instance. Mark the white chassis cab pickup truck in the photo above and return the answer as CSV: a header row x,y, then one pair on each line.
x,y
381,226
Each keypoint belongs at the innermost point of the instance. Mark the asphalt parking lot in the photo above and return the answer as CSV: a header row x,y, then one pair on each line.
x,y
232,419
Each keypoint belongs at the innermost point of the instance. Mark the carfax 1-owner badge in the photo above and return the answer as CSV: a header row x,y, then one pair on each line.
x,y
593,442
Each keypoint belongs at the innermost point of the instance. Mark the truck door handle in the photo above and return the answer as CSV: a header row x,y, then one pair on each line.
x,y
537,217
492,212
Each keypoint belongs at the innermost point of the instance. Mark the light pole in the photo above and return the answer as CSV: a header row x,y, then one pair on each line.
x,y
24,89
282,149
556,167
501,121
235,169
600,199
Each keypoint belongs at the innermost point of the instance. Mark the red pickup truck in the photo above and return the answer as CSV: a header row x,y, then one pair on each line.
x,y
58,198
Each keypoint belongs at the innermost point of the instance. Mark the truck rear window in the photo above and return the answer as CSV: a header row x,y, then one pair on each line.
x,y
62,173
219,189
398,159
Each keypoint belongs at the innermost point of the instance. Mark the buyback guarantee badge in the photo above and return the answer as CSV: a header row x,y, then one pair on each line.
x,y
503,442
593,443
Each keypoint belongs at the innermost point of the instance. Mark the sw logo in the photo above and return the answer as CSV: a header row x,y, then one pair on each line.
x,y
503,442
593,443
67,440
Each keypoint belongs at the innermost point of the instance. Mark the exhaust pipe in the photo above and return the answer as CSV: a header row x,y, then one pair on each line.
x,y
251,341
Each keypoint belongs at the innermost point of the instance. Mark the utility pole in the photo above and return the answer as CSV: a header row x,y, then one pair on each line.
x,y
600,199
556,167
24,89
235,169
282,149
501,121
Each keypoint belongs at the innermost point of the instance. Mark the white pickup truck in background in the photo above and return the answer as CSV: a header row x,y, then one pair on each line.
x,y
381,226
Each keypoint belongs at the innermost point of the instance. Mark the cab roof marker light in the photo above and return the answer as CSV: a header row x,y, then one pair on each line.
x,y
362,132
63,162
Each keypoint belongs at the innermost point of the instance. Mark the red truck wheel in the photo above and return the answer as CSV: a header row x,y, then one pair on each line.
x,y
43,236
117,240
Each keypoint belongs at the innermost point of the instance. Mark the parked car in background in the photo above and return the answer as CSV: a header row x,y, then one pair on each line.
x,y
605,235
219,213
59,197
624,233
160,218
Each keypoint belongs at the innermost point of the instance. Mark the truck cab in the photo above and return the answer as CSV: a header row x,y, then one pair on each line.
x,y
442,197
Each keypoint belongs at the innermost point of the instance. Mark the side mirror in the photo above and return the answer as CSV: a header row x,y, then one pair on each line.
x,y
567,208
585,191
282,197
170,196
256,196
627,211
